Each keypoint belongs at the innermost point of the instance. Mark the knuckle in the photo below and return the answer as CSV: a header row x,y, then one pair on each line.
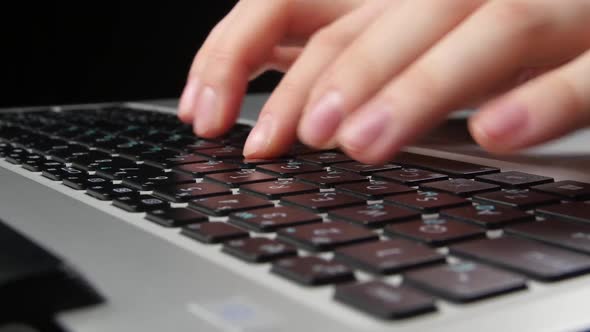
x,y
526,18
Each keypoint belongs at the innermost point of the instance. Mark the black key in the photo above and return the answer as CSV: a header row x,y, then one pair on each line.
x,y
374,189
385,301
568,235
364,169
58,173
176,217
410,176
488,216
139,203
328,179
271,219
41,166
213,232
109,191
536,260
427,201
435,231
239,178
517,198
224,205
81,182
464,281
325,158
92,160
253,163
174,159
277,189
180,193
66,154
202,145
514,179
258,250
210,167
388,257
34,281
576,211
374,215
137,151
149,180
118,171
226,152
289,169
461,187
312,271
574,190
456,169
322,202
326,236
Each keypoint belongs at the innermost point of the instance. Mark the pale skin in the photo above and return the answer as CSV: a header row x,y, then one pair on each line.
x,y
371,76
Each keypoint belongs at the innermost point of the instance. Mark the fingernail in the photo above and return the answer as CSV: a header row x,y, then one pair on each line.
x,y
205,114
322,121
372,123
188,97
504,119
259,138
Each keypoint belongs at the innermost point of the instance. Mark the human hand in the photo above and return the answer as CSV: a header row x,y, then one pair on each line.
x,y
372,76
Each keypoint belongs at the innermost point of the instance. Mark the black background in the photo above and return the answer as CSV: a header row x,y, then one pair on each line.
x,y
61,53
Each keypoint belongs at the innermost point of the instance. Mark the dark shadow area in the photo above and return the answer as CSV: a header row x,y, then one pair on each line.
x,y
64,52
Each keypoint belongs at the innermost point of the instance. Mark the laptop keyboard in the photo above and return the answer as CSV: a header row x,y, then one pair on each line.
x,y
392,240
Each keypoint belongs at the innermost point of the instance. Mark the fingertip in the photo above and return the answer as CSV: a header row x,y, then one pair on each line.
x,y
495,145
186,104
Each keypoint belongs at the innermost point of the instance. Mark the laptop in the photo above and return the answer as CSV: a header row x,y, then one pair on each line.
x,y
161,230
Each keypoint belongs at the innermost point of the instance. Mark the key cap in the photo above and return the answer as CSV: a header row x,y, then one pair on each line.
x,y
464,281
213,232
383,300
40,167
253,163
364,169
149,181
120,169
533,259
276,189
180,193
328,179
325,236
65,155
92,160
387,257
461,187
456,169
58,173
81,182
312,271
374,189
210,167
573,190
514,179
289,169
176,217
226,152
271,219
238,178
435,231
174,159
325,158
202,145
141,203
109,191
410,176
488,216
374,215
258,250
568,235
576,211
517,198
427,201
322,202
226,204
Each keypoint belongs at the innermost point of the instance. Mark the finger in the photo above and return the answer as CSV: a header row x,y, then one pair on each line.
x,y
276,128
245,42
460,67
373,58
280,59
545,108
